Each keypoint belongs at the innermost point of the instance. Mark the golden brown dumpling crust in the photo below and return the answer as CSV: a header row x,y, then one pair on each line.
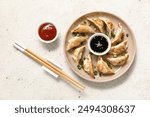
x,y
119,49
119,35
98,23
81,28
75,41
88,65
109,26
119,61
103,67
78,53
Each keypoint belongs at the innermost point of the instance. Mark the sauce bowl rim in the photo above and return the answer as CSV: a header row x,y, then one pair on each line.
x,y
50,41
99,53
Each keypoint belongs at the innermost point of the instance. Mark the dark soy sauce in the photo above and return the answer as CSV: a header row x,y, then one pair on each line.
x,y
99,44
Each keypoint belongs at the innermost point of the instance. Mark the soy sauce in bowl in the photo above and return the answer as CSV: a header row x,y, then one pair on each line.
x,y
99,44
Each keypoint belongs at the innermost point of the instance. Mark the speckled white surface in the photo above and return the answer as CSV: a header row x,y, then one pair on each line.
x,y
22,78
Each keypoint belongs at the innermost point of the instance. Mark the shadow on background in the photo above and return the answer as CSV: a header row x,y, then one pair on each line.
x,y
51,46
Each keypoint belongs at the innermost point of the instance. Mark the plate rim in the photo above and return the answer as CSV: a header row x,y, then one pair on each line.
x,y
113,77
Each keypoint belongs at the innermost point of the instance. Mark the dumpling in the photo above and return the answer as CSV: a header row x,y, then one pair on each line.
x,y
119,35
98,23
120,60
109,26
103,67
88,65
78,53
75,41
81,28
118,49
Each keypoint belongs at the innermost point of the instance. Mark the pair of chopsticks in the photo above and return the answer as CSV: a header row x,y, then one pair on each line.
x,y
49,65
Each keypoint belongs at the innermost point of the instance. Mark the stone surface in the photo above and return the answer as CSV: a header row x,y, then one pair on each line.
x,y
22,78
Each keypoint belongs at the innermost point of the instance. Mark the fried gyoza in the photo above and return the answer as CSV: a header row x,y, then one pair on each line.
x,y
109,26
119,35
75,41
88,65
119,61
118,49
98,23
78,53
81,28
103,67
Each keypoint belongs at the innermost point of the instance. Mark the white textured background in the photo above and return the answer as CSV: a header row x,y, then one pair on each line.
x,y
22,78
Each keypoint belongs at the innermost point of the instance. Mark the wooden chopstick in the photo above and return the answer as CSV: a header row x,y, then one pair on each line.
x,y
54,69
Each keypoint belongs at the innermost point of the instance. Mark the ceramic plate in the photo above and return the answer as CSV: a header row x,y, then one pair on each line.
x,y
118,70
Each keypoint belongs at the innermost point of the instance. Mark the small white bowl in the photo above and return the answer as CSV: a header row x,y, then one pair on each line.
x,y
50,41
107,39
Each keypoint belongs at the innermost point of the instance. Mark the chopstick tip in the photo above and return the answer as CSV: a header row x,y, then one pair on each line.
x,y
18,46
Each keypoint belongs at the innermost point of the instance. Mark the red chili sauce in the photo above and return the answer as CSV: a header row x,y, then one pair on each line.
x,y
47,31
